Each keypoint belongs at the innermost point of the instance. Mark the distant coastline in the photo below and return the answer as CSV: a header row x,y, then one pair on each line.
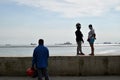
x,y
56,45
59,50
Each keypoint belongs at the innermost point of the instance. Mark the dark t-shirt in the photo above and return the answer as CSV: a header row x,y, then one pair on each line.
x,y
79,36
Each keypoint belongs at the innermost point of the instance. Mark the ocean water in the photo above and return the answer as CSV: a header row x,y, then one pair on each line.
x,y
59,50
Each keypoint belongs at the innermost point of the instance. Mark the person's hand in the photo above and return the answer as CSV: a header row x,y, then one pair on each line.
x,y
88,39
83,41
32,68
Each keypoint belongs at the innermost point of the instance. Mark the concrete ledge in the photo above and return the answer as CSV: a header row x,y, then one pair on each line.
x,y
64,65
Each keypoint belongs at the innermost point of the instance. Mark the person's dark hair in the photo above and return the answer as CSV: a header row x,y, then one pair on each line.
x,y
41,42
90,25
78,25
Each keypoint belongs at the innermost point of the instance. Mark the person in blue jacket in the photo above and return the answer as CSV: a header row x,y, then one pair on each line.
x,y
40,60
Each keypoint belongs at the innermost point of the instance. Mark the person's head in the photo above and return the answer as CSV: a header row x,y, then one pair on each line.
x,y
78,26
90,26
41,42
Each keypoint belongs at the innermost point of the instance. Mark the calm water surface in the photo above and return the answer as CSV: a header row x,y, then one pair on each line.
x,y
59,50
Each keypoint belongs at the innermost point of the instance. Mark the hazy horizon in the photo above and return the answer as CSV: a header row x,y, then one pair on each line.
x,y
25,21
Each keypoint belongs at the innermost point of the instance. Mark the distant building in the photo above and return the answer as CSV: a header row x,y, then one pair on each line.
x,y
67,43
33,44
107,43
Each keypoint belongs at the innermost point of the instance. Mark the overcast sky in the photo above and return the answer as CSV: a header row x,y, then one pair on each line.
x,y
25,21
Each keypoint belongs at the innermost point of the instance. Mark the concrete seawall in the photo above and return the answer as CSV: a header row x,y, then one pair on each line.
x,y
64,65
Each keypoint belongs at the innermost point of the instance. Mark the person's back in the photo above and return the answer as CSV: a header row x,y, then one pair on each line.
x,y
42,54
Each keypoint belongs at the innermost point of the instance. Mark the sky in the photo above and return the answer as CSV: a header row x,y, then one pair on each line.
x,y
26,21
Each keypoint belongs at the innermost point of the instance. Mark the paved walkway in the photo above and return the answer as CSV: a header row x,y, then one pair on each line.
x,y
66,78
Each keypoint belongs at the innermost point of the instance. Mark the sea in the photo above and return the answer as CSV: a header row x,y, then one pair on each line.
x,y
59,50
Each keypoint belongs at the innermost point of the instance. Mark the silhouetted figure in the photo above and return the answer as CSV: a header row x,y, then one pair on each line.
x,y
91,38
40,60
79,39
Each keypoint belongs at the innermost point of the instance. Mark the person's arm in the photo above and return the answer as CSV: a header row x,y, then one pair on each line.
x,y
48,52
34,59
82,37
93,34
82,40
76,34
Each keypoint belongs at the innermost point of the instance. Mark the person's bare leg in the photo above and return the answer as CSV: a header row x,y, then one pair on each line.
x,y
92,49
79,48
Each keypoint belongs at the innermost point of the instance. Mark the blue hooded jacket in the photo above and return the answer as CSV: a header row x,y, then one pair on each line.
x,y
40,57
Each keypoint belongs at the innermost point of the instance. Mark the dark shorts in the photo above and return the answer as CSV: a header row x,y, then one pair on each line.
x,y
92,40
